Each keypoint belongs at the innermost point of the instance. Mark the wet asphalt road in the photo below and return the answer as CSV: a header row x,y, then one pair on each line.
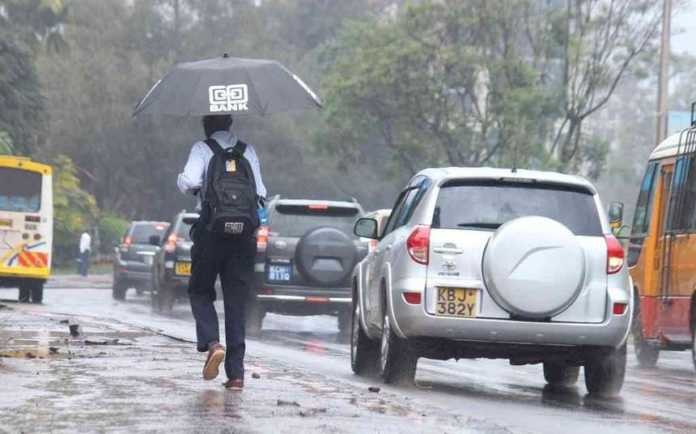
x,y
474,395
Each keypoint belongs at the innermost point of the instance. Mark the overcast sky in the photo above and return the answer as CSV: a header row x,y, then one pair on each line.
x,y
684,28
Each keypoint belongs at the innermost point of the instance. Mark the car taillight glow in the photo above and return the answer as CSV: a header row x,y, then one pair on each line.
x,y
262,238
412,297
318,207
170,245
615,254
619,308
418,244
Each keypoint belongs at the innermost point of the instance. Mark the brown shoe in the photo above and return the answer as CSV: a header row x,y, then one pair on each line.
x,y
235,384
216,354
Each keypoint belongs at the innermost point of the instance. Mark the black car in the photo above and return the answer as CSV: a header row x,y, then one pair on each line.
x,y
133,258
306,256
172,263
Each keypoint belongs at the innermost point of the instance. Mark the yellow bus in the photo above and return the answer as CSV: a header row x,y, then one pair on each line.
x,y
26,225
662,250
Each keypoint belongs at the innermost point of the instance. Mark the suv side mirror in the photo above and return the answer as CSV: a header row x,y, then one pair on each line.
x,y
366,228
155,240
616,215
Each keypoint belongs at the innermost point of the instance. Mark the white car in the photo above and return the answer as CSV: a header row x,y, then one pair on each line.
x,y
481,262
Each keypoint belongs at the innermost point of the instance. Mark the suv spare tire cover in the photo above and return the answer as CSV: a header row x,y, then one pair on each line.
x,y
534,267
326,256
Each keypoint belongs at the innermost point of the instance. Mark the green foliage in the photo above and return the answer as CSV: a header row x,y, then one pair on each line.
x,y
74,209
111,228
21,102
481,82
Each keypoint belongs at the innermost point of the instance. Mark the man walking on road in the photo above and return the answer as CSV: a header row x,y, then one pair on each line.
x,y
85,251
225,174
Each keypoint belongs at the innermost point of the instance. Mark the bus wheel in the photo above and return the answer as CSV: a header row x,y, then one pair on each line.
x,y
647,353
24,292
693,342
37,288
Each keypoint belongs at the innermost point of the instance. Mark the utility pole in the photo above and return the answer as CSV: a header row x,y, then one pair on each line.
x,y
662,87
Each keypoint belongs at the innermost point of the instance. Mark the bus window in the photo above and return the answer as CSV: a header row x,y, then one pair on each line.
x,y
683,196
20,190
641,216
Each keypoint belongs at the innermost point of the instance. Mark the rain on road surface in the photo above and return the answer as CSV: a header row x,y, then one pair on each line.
x,y
465,396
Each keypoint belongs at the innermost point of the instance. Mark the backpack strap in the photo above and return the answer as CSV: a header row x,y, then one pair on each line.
x,y
239,148
214,146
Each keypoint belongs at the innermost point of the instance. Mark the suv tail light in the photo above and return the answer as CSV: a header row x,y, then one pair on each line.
x,y
170,245
615,254
418,244
262,239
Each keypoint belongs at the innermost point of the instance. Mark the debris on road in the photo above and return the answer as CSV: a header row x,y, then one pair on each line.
x,y
255,376
312,411
283,403
74,330
114,341
374,389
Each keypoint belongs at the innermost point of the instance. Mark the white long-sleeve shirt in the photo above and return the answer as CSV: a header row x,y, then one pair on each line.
x,y
193,176
85,242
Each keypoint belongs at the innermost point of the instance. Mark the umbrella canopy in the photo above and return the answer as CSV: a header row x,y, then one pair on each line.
x,y
228,85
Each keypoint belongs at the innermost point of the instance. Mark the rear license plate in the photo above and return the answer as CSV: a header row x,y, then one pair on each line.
x,y
6,223
459,302
183,268
279,272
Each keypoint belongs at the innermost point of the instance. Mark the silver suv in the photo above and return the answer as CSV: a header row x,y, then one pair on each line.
x,y
495,263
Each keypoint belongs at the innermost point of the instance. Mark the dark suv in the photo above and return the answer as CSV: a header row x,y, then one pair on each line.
x,y
172,264
134,256
306,256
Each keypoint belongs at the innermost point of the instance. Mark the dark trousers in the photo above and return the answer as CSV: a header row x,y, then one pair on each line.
x,y
83,267
233,260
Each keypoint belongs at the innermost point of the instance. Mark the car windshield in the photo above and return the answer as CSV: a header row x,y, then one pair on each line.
x,y
297,220
20,190
487,205
142,232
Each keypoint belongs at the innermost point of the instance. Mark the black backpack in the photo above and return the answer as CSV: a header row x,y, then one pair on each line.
x,y
229,204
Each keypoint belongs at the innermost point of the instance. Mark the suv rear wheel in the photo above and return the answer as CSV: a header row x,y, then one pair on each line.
x,y
119,290
364,352
561,375
604,373
693,342
397,363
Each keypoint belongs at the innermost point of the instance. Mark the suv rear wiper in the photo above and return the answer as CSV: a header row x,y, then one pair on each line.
x,y
485,225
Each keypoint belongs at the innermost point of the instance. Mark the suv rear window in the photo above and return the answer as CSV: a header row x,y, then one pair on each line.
x,y
183,231
487,205
141,232
297,220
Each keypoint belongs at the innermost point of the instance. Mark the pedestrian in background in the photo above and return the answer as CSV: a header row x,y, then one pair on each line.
x,y
85,251
225,174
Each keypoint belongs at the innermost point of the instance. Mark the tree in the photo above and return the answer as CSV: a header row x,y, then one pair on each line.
x,y
483,82
74,209
24,25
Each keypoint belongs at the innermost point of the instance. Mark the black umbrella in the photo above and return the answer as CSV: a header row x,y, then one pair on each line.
x,y
228,85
